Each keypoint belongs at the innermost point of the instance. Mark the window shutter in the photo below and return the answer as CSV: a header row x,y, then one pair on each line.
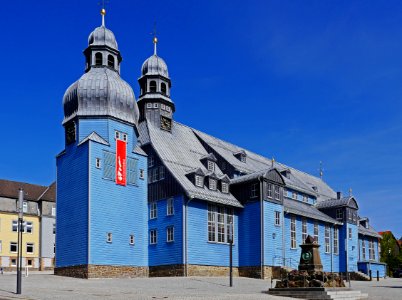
x,y
109,165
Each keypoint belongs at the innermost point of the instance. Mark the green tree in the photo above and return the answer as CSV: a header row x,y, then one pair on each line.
x,y
390,253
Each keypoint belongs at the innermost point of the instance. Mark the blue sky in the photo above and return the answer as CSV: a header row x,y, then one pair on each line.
x,y
303,81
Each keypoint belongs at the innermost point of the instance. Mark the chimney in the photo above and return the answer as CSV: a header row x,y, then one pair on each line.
x,y
338,195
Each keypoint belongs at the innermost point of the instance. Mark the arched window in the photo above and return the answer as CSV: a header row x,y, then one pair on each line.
x,y
163,88
152,86
98,59
110,61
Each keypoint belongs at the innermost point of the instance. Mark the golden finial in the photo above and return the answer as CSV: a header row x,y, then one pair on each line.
x,y
272,162
103,12
155,39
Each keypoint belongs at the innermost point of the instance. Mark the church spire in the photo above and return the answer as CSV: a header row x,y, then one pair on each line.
x,y
103,13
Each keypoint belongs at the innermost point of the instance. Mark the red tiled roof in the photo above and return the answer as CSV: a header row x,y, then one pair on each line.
x,y
32,192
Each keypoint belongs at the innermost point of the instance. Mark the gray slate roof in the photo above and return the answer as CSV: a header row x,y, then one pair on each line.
x,y
155,65
368,231
306,210
330,203
298,180
102,36
101,92
181,152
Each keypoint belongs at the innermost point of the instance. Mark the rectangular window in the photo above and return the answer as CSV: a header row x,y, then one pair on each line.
x,y
220,224
327,239
212,184
199,180
151,161
225,187
339,214
109,237
153,212
13,262
168,108
211,166
97,163
117,135
350,233
53,211
13,247
25,206
269,190
170,234
304,230
109,164
294,195
155,174
54,228
131,239
211,222
276,192
316,232
305,198
336,241
161,172
155,105
163,106
364,249
29,262
30,248
170,207
28,227
277,218
153,236
149,105
373,251
141,173
15,225
293,233
254,190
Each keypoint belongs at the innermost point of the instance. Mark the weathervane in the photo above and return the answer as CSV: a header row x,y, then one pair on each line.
x,y
103,10
272,162
155,39
350,192
321,170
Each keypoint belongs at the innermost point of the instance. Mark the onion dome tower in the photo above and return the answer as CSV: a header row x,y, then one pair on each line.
x,y
100,92
101,185
154,103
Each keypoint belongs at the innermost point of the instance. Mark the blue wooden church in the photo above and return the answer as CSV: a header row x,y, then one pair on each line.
x,y
140,194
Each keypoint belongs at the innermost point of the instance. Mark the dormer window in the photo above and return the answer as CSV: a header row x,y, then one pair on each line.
x,y
98,59
339,214
168,108
149,105
225,187
276,192
241,155
199,180
110,61
243,158
212,184
211,166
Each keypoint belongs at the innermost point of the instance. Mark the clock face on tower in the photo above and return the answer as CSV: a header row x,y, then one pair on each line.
x,y
166,123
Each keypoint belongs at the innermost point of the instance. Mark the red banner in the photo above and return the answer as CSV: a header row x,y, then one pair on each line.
x,y
121,162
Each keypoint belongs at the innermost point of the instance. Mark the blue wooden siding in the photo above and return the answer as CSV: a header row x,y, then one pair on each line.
x,y
72,207
249,235
116,209
200,251
365,268
167,253
273,254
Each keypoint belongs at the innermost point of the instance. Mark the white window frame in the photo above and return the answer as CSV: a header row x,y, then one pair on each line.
x,y
339,214
141,175
53,211
212,183
336,240
149,105
168,108
161,172
28,227
14,225
220,224
316,232
294,195
156,105
54,228
350,233
153,210
170,207
16,247
29,245
327,239
277,218
269,190
153,237
254,190
163,106
304,230
225,187
151,161
305,198
293,233
109,237
97,163
25,206
364,249
131,239
277,194
199,180
170,234
211,165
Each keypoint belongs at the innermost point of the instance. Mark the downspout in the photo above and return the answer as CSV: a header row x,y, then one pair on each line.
x,y
262,226
283,235
332,246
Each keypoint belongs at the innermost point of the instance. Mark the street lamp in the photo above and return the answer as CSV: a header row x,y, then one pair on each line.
x,y
20,229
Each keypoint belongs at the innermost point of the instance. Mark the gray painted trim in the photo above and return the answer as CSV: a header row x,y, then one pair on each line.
x,y
89,203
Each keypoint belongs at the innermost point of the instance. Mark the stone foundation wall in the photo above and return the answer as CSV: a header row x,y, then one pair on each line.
x,y
213,271
167,271
100,271
255,272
